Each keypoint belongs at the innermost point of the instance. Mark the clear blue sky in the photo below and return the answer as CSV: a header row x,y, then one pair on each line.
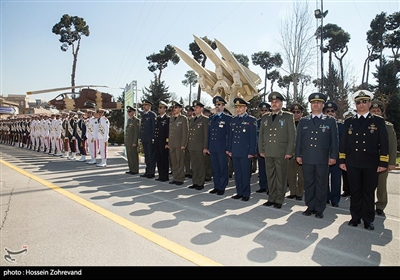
x,y
123,33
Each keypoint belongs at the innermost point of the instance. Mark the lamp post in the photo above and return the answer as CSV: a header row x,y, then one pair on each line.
x,y
319,14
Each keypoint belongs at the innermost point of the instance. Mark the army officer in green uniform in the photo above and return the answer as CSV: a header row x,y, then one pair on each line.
x,y
197,145
131,141
276,142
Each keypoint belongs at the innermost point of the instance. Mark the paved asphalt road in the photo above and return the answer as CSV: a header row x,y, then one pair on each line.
x,y
57,212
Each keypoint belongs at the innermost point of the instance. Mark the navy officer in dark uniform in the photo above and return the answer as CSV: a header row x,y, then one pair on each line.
x,y
147,128
317,148
218,140
161,142
242,147
363,153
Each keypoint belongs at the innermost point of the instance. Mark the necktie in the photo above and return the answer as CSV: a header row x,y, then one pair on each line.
x,y
195,118
273,117
361,119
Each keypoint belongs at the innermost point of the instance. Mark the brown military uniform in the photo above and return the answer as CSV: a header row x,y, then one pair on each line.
x,y
197,142
178,137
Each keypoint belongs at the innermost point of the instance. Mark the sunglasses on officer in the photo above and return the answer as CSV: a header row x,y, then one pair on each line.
x,y
358,102
330,111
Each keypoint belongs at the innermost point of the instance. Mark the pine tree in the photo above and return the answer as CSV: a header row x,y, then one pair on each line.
x,y
156,92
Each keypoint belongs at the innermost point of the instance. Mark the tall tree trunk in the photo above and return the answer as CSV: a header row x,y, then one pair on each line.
x,y
75,56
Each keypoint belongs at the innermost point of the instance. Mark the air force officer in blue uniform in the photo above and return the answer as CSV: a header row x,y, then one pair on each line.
x,y
242,147
218,140
317,147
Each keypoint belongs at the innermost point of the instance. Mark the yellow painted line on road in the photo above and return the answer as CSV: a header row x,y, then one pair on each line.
x,y
151,236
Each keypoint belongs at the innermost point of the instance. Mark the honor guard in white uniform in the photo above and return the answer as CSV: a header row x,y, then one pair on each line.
x,y
103,135
91,134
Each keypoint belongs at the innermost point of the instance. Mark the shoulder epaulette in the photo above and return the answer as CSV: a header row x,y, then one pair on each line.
x,y
388,123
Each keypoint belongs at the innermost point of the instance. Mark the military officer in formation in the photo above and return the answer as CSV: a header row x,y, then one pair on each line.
x,y
197,145
80,135
345,181
265,108
276,144
364,153
161,135
316,149
242,147
188,169
377,108
218,145
132,141
295,170
335,180
92,127
103,135
147,127
177,142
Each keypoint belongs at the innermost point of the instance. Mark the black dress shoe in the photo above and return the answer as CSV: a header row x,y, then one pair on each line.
x,y
335,204
291,196
199,188
144,175
278,205
309,212
345,194
172,182
230,176
261,190
192,186
354,222
237,196
164,180
213,191
268,203
369,225
151,176
158,179
207,179
245,198
319,215
380,212
299,198
220,192
178,183
188,176
128,172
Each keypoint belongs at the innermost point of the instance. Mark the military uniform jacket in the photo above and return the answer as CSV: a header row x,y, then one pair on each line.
x,y
80,129
218,133
178,131
317,140
198,133
366,145
132,131
103,128
243,136
147,126
161,132
277,138
392,143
